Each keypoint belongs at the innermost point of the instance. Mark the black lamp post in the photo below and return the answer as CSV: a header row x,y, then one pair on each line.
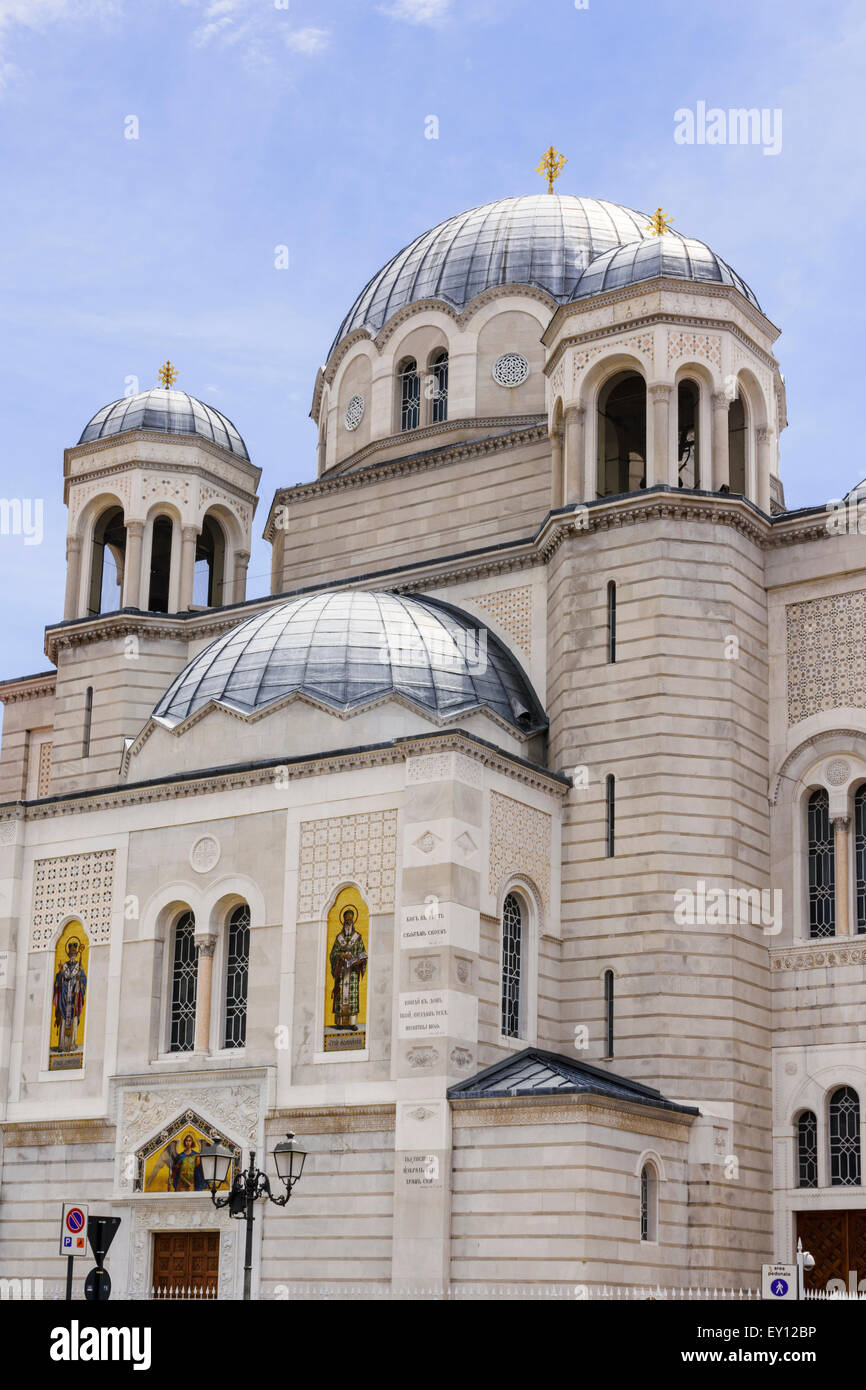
x,y
249,1185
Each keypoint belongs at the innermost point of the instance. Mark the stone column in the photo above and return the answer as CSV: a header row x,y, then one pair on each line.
x,y
840,836
437,964
205,946
557,479
189,537
73,577
575,468
762,465
239,588
720,456
132,564
659,466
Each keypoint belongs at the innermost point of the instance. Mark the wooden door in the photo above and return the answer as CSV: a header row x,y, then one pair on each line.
x,y
837,1239
186,1263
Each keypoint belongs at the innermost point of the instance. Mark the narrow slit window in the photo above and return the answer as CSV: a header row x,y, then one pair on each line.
x,y
512,965
88,722
608,1013
822,867
439,374
237,977
610,815
611,620
807,1150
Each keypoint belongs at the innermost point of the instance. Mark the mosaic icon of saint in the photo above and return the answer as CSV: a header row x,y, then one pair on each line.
x,y
348,964
186,1170
70,989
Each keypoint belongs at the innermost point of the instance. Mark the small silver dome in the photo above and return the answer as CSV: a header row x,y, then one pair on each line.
x,y
543,239
351,647
167,412
676,257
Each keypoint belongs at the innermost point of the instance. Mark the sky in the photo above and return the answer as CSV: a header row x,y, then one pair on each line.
x,y
260,124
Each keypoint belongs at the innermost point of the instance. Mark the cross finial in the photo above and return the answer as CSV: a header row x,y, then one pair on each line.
x,y
659,223
551,166
167,375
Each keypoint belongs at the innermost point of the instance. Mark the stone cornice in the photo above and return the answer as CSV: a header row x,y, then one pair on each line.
x,y
28,688
510,438
470,1112
663,284
651,320
335,1119
186,441
60,1132
820,954
486,422
248,495
211,781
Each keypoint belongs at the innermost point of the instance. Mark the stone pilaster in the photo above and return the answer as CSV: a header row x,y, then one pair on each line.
x,y
721,466
659,463
132,565
840,837
205,946
189,538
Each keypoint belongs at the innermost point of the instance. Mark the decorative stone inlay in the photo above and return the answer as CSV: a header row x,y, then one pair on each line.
x,y
520,843
512,610
340,848
461,1058
466,844
442,767
826,654
43,775
422,1056
354,412
7,832
427,842
707,346
76,885
511,369
814,960
425,968
205,854
837,772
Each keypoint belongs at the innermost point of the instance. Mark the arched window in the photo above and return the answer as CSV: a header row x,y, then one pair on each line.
x,y
737,445
237,977
860,856
513,949
608,1013
822,867
688,423
210,553
184,978
622,435
160,565
611,620
844,1117
107,556
439,387
807,1150
610,815
648,1202
410,394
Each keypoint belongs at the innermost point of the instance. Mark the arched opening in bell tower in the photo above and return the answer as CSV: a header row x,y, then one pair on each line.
x,y
107,559
160,565
622,435
737,427
688,443
209,584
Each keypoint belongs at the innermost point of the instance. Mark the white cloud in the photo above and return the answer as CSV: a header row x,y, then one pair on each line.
x,y
39,14
308,40
418,11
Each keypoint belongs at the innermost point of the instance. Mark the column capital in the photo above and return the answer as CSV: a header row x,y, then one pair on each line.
x,y
764,434
134,528
189,533
721,400
576,411
242,556
661,390
205,945
73,543
840,822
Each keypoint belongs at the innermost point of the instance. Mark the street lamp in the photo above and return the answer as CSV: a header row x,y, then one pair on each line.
x,y
251,1184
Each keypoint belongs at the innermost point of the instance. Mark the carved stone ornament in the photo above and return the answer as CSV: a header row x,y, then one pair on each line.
x,y
837,772
205,854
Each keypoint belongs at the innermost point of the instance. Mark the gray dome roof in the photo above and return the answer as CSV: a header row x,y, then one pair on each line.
x,y
543,239
168,412
351,647
677,257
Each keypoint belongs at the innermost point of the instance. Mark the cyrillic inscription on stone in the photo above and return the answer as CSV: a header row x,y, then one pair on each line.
x,y
4,968
423,1015
426,925
421,1170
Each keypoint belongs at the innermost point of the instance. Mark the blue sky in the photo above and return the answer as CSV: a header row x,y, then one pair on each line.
x,y
264,124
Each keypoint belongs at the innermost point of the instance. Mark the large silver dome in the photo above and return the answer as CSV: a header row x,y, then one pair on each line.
x,y
543,239
677,257
351,647
167,412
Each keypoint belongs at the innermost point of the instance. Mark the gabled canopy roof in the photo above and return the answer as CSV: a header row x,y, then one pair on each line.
x,y
538,1073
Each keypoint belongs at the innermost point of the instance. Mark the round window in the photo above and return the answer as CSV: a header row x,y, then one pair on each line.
x,y
511,369
354,412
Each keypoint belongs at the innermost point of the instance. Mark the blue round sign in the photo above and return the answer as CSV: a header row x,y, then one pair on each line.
x,y
779,1288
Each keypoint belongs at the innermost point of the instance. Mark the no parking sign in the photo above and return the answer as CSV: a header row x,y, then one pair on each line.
x,y
73,1229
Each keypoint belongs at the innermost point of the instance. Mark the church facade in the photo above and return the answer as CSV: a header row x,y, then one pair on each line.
x,y
511,852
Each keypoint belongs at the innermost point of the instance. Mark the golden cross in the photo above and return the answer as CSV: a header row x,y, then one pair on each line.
x,y
551,166
659,223
167,375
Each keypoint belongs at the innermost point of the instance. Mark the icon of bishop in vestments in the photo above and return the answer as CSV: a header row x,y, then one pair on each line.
x,y
70,988
348,963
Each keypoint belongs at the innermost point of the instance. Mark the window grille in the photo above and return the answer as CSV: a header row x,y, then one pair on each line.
x,y
183,985
237,977
807,1150
645,1202
440,379
822,867
512,965
845,1138
410,396
860,856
